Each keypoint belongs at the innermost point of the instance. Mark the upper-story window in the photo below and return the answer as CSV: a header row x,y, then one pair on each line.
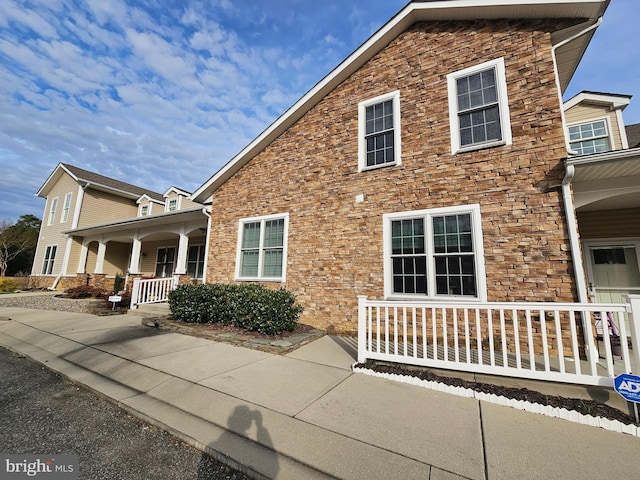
x,y
172,205
144,210
478,107
590,137
379,131
52,210
66,206
262,248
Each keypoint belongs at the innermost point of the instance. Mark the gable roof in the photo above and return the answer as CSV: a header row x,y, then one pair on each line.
x,y
98,182
614,101
568,56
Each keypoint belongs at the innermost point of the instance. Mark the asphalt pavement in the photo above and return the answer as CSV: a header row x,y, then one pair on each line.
x,y
43,413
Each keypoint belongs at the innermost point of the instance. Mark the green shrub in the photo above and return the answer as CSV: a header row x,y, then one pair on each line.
x,y
248,306
7,285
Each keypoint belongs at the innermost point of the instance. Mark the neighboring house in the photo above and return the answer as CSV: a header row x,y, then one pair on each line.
x,y
432,164
605,176
95,227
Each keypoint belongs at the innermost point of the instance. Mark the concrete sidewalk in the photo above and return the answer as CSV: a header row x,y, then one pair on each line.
x,y
305,414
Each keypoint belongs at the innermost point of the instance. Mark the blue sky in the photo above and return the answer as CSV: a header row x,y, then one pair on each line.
x,y
162,93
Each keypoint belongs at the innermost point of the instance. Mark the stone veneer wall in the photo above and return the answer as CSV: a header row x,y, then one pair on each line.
x,y
311,172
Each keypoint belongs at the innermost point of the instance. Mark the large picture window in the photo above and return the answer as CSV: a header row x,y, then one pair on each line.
x,y
434,253
262,248
478,107
379,131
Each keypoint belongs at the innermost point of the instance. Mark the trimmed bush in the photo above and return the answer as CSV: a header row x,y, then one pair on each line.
x,y
7,285
251,307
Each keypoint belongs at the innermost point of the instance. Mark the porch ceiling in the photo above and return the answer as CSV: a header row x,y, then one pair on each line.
x,y
607,181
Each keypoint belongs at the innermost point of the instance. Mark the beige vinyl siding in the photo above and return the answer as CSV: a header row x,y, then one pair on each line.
x,y
52,234
74,256
186,203
101,207
589,113
609,224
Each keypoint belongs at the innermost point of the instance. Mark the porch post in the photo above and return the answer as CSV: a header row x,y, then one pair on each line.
x,y
362,328
102,249
134,265
633,301
183,249
82,263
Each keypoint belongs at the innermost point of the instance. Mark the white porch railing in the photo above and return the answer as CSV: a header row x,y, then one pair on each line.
x,y
562,342
154,290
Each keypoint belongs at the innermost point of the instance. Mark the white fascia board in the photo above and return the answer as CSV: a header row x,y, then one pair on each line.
x,y
177,190
411,13
52,178
616,101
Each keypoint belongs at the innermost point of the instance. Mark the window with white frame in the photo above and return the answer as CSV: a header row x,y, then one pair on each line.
x,y
379,131
49,259
66,206
172,205
592,137
144,210
434,253
262,248
195,261
52,210
478,107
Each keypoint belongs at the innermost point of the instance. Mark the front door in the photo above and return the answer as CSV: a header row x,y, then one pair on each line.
x,y
613,270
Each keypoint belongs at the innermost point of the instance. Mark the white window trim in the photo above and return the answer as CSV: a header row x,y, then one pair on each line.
x,y
478,248
503,105
168,204
362,144
142,206
262,220
199,245
45,261
66,206
608,136
52,210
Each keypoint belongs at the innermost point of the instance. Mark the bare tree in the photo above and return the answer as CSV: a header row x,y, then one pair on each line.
x,y
13,242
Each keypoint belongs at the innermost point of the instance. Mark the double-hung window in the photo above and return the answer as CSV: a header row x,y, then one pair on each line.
x,y
49,259
195,261
52,210
590,137
66,206
172,205
379,131
262,248
434,253
478,107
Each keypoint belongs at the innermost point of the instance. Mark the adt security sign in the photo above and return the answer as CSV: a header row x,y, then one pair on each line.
x,y
628,386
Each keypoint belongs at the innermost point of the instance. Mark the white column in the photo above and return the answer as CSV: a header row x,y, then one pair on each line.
x,y
102,249
183,250
82,263
134,265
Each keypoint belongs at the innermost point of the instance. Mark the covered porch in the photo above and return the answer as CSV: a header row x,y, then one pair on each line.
x,y
158,246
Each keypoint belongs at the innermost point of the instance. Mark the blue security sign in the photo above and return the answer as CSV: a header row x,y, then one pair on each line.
x,y
628,386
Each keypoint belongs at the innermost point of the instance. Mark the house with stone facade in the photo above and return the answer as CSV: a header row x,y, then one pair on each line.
x,y
95,227
431,165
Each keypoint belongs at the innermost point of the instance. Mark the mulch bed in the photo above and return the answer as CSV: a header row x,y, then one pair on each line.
x,y
585,407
